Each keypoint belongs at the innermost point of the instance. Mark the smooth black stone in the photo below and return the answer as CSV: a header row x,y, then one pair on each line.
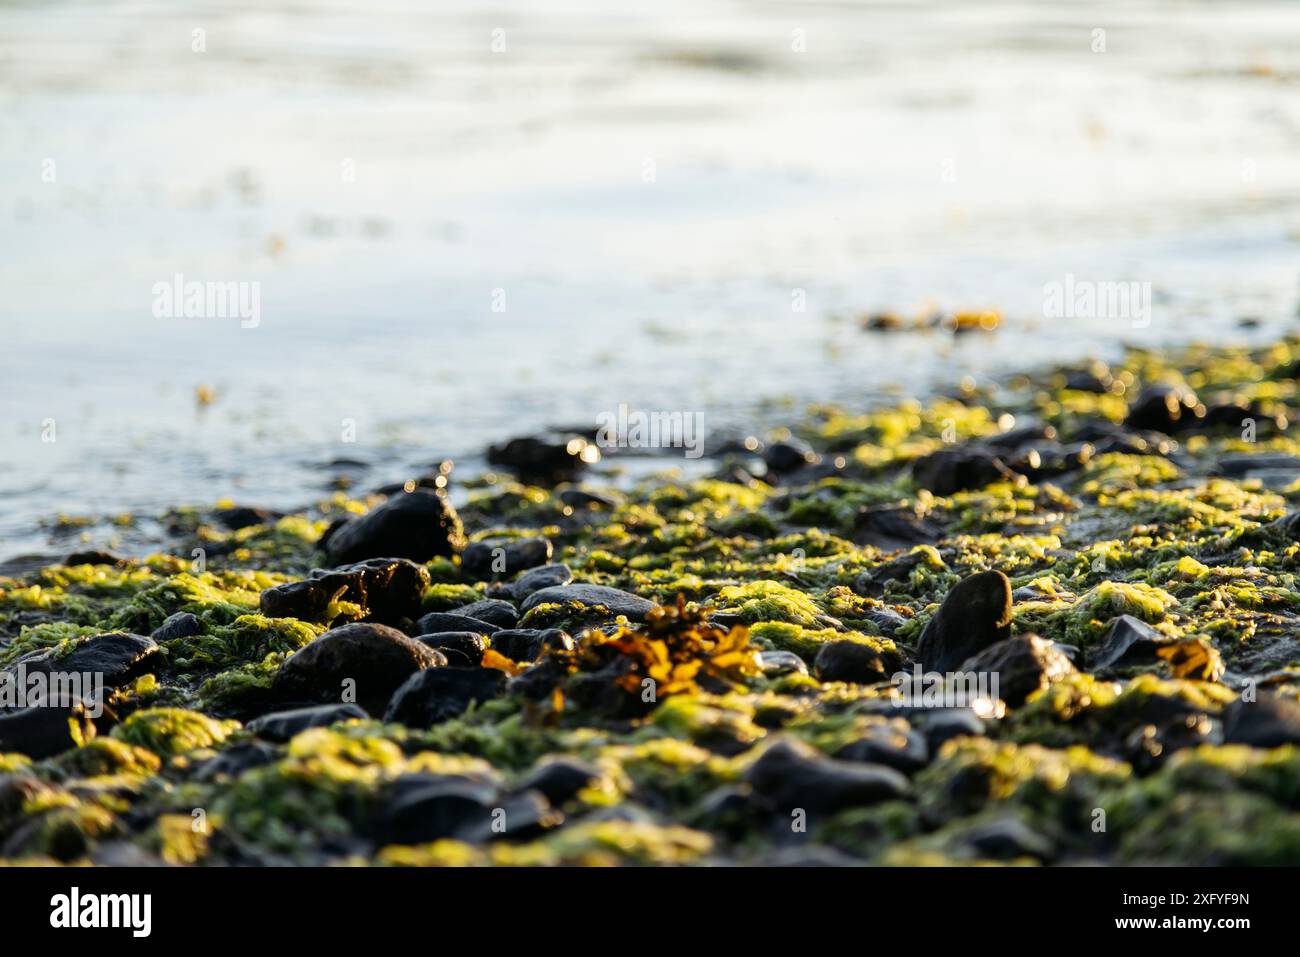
x,y
417,525
893,744
560,778
462,649
976,613
548,576
42,731
581,498
1128,642
117,657
241,517
1008,839
947,471
527,644
492,610
376,657
788,455
549,460
464,811
440,694
940,725
850,661
283,725
777,663
233,761
504,557
438,621
617,601
183,624
890,527
1268,722
1162,408
791,774
94,557
1024,664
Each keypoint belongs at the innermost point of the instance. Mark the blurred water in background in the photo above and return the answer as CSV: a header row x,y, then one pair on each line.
x,y
650,187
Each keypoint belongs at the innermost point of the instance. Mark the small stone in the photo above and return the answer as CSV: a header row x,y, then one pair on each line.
x,y
372,660
941,725
777,663
851,661
440,694
1008,839
462,649
116,658
1162,408
418,525
617,601
305,600
503,557
1269,721
560,778
242,517
464,811
527,644
439,621
975,614
283,725
41,731
792,774
1128,642
1024,664
893,744
548,576
389,589
788,455
547,460
492,610
183,624
947,471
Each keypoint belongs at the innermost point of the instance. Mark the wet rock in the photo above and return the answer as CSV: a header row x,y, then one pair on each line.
x,y
946,471
777,663
242,517
440,694
547,460
492,610
439,621
1089,380
560,778
886,619
577,498
1150,745
305,600
893,744
462,649
464,811
1013,439
504,557
617,601
975,614
283,725
1268,722
940,725
94,557
376,658
851,661
789,455
1024,664
390,589
792,774
417,525
180,625
890,527
233,761
1008,839
1129,642
1240,466
115,658
1163,408
527,644
548,576
873,583
44,730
